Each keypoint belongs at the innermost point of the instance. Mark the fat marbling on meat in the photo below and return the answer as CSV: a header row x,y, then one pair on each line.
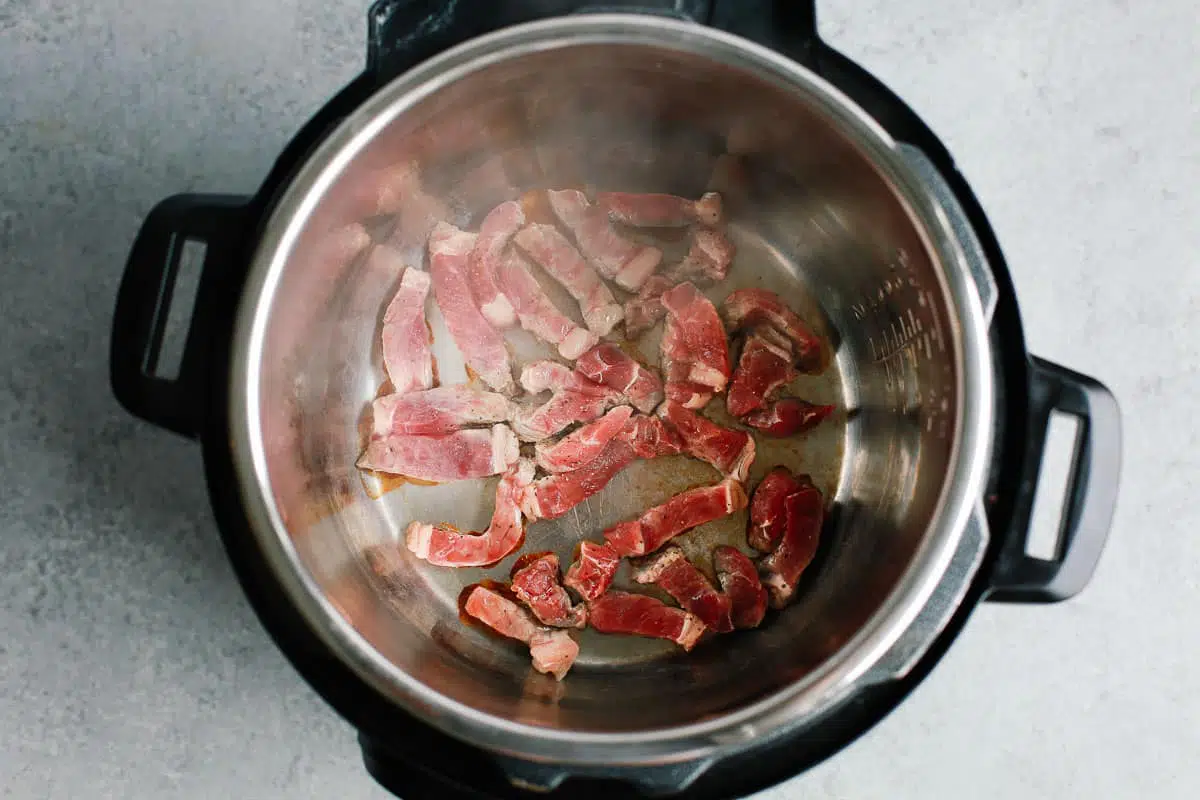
x,y
695,353
739,580
609,365
627,263
405,338
741,601
731,451
481,346
551,376
639,615
645,309
559,258
552,651
686,510
534,422
660,210
768,514
583,445
446,546
747,307
671,571
764,367
444,409
483,265
788,417
650,437
554,495
593,570
463,454
574,398
535,582
536,311
804,513
707,262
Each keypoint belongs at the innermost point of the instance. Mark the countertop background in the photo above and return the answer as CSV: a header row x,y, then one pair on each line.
x,y
130,664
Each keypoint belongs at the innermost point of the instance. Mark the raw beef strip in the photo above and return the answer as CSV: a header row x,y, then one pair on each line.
x,y
643,311
763,368
707,262
740,582
553,651
728,450
804,512
537,312
536,422
688,394
694,351
747,307
483,266
686,510
472,453
441,410
555,254
551,376
580,447
535,583
639,615
650,437
554,495
613,256
481,346
788,417
698,337
671,571
446,546
768,512
592,571
406,355
660,210
609,365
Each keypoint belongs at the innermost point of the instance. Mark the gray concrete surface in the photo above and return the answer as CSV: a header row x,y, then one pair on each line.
x,y
130,664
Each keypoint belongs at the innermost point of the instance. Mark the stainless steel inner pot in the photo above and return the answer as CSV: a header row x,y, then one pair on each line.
x,y
824,208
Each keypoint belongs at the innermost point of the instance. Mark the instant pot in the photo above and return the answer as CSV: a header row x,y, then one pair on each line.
x,y
839,197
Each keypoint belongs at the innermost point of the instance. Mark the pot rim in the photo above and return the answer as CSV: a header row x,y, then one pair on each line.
x,y
791,706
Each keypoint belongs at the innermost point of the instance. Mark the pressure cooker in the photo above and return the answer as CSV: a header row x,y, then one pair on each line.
x,y
842,198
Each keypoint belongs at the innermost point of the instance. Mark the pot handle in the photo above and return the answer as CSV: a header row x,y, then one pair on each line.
x,y
144,302
1091,490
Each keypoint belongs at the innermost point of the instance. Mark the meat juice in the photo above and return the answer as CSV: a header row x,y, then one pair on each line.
x,y
537,207
526,559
